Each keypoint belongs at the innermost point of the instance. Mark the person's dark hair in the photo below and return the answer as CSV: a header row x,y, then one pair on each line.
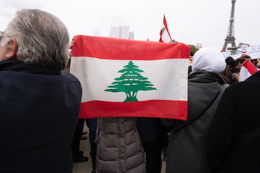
x,y
246,56
225,74
254,61
231,62
191,54
241,60
235,70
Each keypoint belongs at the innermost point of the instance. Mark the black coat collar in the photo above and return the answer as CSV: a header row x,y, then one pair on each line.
x,y
20,66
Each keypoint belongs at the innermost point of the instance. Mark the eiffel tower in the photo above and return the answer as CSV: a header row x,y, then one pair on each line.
x,y
230,35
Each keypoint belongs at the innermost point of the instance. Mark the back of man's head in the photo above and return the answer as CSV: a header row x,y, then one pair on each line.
x,y
42,38
231,62
241,60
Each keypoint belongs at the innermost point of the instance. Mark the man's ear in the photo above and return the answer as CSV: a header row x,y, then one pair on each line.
x,y
12,49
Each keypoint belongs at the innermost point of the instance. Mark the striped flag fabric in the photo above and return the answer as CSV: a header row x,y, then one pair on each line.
x,y
128,78
164,33
247,70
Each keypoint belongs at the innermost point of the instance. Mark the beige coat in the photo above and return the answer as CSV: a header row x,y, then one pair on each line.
x,y
119,147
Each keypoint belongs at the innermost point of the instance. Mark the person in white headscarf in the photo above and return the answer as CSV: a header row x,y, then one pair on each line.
x,y
187,146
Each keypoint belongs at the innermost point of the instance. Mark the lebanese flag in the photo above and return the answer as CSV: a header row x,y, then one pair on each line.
x,y
247,70
128,78
164,33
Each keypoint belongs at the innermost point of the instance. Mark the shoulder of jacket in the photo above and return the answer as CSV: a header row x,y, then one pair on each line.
x,y
70,77
225,86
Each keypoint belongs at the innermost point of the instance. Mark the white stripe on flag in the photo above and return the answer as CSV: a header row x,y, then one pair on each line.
x,y
168,76
165,36
244,74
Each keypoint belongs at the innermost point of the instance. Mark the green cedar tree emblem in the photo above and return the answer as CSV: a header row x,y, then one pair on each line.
x,y
130,82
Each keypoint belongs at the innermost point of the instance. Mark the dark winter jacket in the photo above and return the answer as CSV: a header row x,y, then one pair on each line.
x,y
93,124
119,147
146,128
187,148
237,114
39,110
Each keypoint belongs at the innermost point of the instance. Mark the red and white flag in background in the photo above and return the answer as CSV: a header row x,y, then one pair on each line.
x,y
247,70
164,33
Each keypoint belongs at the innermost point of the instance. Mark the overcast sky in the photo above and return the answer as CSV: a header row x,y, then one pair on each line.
x,y
189,21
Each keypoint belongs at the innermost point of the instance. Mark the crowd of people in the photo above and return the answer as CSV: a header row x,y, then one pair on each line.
x,y
40,104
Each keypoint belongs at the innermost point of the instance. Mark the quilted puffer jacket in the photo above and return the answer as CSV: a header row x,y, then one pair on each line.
x,y
119,147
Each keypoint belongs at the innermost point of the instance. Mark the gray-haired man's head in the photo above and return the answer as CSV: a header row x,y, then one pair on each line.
x,y
41,37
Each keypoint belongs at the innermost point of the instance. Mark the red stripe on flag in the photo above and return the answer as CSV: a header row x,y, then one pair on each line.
x,y
151,108
124,49
250,67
